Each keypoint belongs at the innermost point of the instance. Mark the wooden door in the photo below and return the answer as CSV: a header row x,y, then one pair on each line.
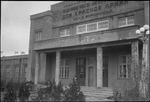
x,y
105,71
91,76
80,70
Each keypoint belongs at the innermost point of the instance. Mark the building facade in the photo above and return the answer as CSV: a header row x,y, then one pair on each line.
x,y
14,68
92,40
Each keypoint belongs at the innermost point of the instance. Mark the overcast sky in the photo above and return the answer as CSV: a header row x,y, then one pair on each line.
x,y
15,24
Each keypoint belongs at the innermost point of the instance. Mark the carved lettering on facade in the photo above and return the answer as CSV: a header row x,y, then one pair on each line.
x,y
82,10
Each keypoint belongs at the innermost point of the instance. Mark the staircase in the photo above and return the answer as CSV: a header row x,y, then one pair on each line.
x,y
97,94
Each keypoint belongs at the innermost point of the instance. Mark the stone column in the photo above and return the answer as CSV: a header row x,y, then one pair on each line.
x,y
42,70
135,66
36,67
99,66
135,60
57,67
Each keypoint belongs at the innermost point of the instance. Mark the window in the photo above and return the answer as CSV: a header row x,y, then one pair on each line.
x,y
81,29
8,71
64,68
92,27
24,70
126,21
65,32
125,66
38,35
16,71
103,25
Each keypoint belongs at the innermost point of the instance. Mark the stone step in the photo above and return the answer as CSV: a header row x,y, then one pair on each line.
x,y
97,99
98,91
97,94
104,96
109,90
94,99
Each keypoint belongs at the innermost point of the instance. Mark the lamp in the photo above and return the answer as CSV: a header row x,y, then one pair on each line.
x,y
143,33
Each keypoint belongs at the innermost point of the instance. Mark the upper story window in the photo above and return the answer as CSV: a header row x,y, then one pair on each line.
x,y
126,21
124,68
92,27
38,35
65,32
81,28
103,25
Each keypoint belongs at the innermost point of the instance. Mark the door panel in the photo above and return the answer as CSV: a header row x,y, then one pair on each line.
x,y
80,70
105,71
91,75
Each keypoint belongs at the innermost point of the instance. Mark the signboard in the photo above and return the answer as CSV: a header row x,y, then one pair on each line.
x,y
76,11
88,9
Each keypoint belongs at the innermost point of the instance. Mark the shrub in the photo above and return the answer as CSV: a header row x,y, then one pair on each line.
x,y
2,86
51,92
73,93
25,89
11,92
130,95
57,91
126,95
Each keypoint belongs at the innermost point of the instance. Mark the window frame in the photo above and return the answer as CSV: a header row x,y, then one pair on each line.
x,y
103,28
16,74
80,26
126,21
8,71
38,36
86,29
90,24
65,30
128,62
64,68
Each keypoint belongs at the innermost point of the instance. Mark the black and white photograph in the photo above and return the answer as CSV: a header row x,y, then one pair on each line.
x,y
82,51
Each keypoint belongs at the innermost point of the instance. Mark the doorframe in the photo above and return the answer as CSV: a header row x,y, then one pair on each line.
x,y
107,72
85,57
94,70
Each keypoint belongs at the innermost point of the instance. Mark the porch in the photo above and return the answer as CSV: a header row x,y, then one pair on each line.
x,y
96,66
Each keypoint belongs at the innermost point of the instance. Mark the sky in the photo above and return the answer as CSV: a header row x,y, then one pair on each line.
x,y
15,24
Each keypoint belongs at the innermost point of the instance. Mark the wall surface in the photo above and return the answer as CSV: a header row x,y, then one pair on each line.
x,y
14,68
114,81
78,11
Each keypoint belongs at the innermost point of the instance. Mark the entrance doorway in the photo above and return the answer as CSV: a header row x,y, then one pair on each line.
x,y
105,71
91,75
80,70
